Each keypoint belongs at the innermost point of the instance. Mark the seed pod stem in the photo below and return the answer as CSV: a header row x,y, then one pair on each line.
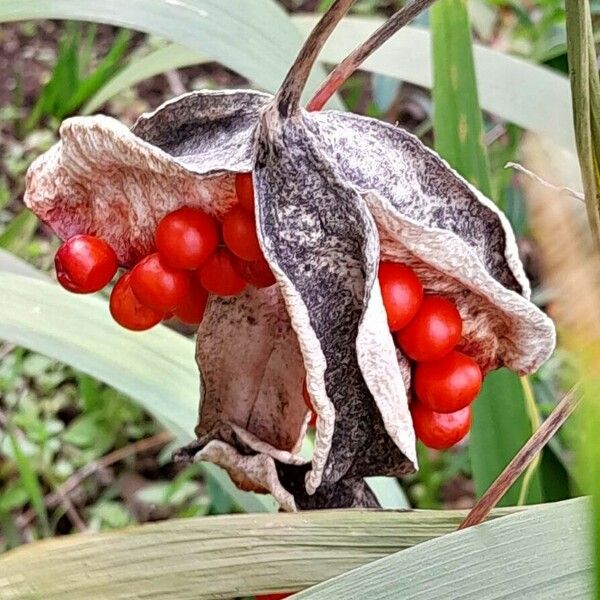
x,y
288,97
519,463
353,61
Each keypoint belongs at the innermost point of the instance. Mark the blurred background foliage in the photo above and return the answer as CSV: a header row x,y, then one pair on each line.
x,y
78,455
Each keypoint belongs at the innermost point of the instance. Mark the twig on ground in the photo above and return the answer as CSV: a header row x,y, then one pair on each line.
x,y
63,491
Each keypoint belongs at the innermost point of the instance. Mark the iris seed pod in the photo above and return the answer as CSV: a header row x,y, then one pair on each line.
x,y
335,194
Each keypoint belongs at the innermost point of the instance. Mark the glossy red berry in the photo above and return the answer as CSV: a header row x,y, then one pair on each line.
x,y
257,273
273,596
128,311
219,275
186,237
433,332
309,405
440,430
402,293
244,189
191,310
239,234
448,384
159,286
85,264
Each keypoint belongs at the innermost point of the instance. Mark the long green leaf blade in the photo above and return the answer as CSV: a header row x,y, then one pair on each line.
x,y
500,420
155,368
457,118
216,557
255,38
500,428
540,554
541,102
19,232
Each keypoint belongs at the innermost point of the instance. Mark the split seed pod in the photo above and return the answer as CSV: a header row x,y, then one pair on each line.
x,y
335,193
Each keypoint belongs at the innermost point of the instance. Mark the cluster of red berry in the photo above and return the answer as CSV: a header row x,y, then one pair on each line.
x,y
189,262
427,328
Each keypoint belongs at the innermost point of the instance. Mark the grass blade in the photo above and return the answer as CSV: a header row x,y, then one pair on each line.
x,y
164,59
103,73
19,232
30,483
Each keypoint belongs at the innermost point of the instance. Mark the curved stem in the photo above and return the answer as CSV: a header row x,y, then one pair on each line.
x,y
288,97
353,61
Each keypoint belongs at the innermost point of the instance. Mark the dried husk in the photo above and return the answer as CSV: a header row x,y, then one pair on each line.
x,y
335,193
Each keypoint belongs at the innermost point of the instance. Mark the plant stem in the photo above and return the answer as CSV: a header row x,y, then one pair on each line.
x,y
353,61
534,418
288,97
585,91
528,452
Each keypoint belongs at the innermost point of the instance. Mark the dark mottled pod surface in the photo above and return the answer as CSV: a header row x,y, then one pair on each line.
x,y
335,194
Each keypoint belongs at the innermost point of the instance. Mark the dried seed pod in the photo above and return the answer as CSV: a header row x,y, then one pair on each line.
x,y
335,193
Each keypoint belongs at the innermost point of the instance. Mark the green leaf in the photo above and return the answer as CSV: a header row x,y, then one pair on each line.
x,y
101,74
541,101
19,232
155,368
30,484
164,59
112,515
457,121
9,263
389,492
255,38
499,430
500,421
540,554
13,496
219,557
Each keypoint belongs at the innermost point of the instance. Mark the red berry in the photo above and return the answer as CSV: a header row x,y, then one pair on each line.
x,y
157,285
448,384
273,596
434,331
191,310
440,430
128,311
244,189
309,405
219,276
402,293
186,238
85,264
256,273
239,234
